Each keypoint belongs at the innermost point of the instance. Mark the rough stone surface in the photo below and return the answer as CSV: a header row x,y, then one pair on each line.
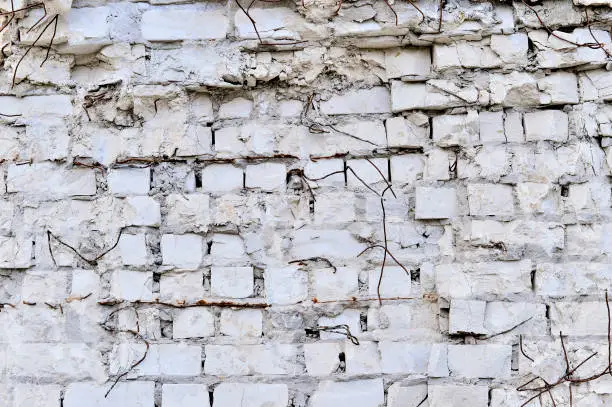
x,y
208,211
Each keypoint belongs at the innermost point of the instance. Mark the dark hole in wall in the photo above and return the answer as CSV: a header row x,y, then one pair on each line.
x,y
198,179
363,321
342,364
312,333
415,275
565,191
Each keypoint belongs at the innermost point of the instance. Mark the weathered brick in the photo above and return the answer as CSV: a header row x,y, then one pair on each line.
x,y
182,251
358,393
251,394
374,100
270,359
185,395
130,393
184,23
234,282
50,181
435,203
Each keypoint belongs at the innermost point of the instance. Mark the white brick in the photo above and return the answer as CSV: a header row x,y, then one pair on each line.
x,y
584,318
233,282
456,130
491,127
322,358
49,180
464,54
550,125
437,366
402,357
503,315
44,286
30,395
319,169
560,88
478,279
512,49
404,320
513,127
84,282
129,181
348,317
132,285
15,252
467,317
490,200
181,287
221,178
400,395
184,23
360,101
435,203
46,139
227,249
362,359
329,243
589,240
268,359
410,96
133,249
356,393
536,198
267,176
406,169
453,395
202,108
340,284
236,108
241,323
57,361
395,282
437,165
372,132
367,172
195,322
415,62
125,394
288,285
182,251
480,361
402,132
187,212
197,140
514,89
142,211
185,395
251,395
170,359
335,208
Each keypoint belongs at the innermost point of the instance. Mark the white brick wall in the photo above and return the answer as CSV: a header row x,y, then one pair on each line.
x,y
193,163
